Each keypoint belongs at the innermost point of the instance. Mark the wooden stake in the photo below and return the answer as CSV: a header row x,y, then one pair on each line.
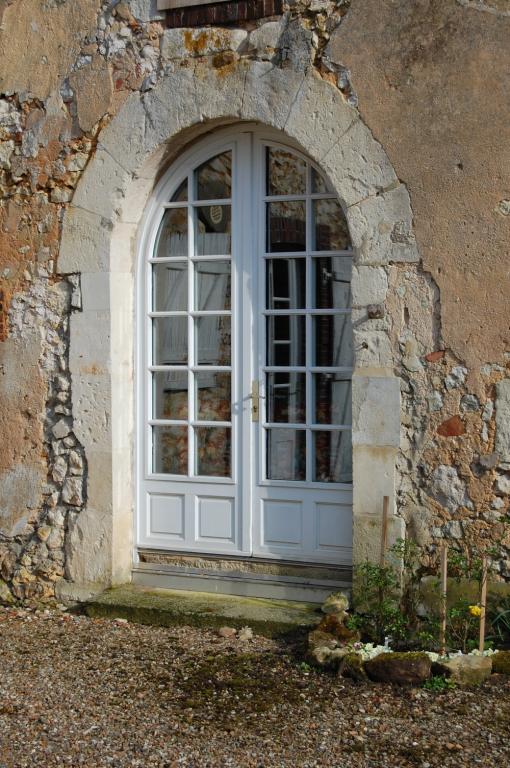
x,y
443,598
384,530
483,603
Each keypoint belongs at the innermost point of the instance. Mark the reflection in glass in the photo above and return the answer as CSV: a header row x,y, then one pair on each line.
x,y
319,183
333,340
286,337
330,231
333,456
286,230
214,178
172,237
213,451
181,193
169,340
286,173
213,340
286,283
286,398
332,396
332,281
170,450
213,230
170,286
212,285
286,454
212,396
170,395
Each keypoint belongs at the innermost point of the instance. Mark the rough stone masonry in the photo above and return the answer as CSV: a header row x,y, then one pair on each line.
x,y
429,80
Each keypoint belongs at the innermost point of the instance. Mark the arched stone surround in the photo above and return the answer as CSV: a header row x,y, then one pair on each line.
x,y
99,241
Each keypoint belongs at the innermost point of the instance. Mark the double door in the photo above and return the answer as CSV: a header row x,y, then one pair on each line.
x,y
245,401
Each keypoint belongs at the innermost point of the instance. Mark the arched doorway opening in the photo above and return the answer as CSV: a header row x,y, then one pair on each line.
x,y
245,356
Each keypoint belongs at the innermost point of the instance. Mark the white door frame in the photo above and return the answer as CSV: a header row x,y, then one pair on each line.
x,y
246,474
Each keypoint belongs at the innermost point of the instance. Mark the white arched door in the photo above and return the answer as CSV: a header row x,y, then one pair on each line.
x,y
246,357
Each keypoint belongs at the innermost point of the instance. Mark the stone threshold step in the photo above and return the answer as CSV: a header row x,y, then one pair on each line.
x,y
167,608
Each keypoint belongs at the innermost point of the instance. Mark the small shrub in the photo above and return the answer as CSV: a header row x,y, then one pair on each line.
x,y
499,617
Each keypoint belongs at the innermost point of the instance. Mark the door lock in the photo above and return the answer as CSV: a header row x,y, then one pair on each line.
x,y
255,401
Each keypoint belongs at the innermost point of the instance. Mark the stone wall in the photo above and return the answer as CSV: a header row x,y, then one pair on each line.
x,y
428,80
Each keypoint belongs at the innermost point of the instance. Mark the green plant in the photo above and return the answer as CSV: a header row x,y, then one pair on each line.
x,y
439,684
462,617
461,627
499,617
378,589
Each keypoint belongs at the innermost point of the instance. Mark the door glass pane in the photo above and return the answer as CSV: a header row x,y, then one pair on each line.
x,y
286,283
170,341
286,227
333,340
332,281
213,445
286,173
213,340
213,230
286,340
214,178
170,395
286,398
172,237
286,454
330,231
181,193
212,285
319,183
212,396
333,456
170,450
332,397
170,286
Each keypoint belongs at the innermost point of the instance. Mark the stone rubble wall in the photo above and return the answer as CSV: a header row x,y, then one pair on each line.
x,y
66,69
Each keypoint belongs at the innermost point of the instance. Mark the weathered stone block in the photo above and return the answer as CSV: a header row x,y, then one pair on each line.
x,y
183,42
367,532
102,186
502,444
448,489
72,492
362,166
501,663
372,349
85,242
399,668
381,228
317,119
269,93
376,411
465,670
369,285
266,38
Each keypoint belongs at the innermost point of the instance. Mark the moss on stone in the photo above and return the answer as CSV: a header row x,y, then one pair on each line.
x,y
403,668
352,667
271,618
501,663
6,596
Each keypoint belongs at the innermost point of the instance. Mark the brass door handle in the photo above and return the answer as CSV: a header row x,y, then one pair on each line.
x,y
255,400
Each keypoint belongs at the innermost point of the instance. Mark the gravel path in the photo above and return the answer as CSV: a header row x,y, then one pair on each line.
x,y
81,692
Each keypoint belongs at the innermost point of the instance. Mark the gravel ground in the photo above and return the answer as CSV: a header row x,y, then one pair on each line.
x,y
83,692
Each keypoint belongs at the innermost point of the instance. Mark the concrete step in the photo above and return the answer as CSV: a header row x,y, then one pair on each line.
x,y
306,588
167,607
